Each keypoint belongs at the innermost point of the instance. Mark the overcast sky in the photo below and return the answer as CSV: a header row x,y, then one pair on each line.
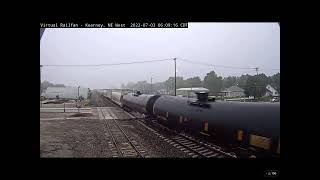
x,y
229,44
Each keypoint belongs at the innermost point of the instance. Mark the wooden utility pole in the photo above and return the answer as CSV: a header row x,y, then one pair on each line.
x,y
40,79
175,76
151,86
78,100
255,84
40,87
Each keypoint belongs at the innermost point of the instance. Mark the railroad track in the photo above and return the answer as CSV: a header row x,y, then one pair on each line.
x,y
192,147
200,149
121,145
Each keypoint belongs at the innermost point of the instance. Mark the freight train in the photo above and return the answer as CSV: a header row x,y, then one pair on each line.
x,y
114,96
248,128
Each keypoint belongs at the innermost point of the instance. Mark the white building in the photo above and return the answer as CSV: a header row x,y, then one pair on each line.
x,y
271,91
65,92
234,91
190,92
163,91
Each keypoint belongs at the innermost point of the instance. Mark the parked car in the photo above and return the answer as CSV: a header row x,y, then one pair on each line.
x,y
275,99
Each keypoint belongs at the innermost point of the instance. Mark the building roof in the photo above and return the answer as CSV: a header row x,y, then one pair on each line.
x,y
65,92
270,88
234,89
55,89
193,89
61,89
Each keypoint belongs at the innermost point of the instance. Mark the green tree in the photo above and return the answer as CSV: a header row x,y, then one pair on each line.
x,y
46,84
242,80
170,83
130,85
229,81
142,86
193,82
213,82
180,82
256,85
59,85
253,85
275,81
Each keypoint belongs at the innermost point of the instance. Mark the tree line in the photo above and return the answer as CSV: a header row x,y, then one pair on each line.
x,y
46,84
253,85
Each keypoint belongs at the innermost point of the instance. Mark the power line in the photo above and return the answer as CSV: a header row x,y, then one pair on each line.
x,y
150,61
270,69
95,65
252,86
222,66
206,64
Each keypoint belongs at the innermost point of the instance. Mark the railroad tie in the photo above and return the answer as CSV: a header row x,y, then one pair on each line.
x,y
191,144
200,149
195,146
183,141
213,155
188,143
205,151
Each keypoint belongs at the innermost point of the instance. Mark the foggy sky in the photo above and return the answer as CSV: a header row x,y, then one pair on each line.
x,y
229,44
